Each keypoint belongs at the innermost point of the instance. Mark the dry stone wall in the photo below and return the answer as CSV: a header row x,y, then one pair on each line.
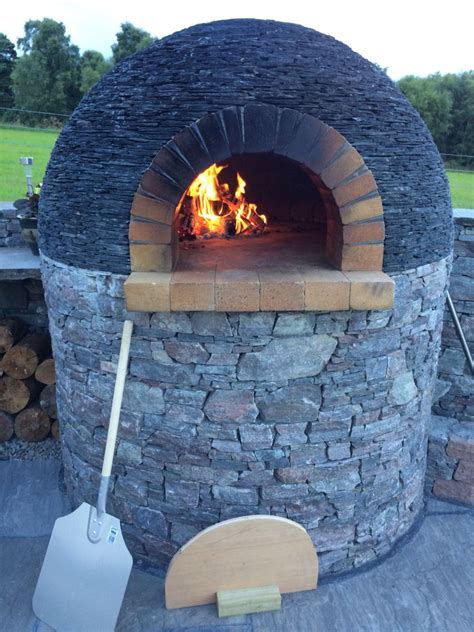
x,y
318,417
10,232
450,473
456,378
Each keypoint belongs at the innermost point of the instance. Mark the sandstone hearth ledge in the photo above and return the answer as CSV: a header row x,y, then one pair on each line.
x,y
318,290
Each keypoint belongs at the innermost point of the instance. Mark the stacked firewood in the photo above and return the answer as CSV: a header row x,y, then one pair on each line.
x,y
27,384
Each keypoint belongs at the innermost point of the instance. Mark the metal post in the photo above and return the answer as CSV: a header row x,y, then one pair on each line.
x,y
460,333
27,163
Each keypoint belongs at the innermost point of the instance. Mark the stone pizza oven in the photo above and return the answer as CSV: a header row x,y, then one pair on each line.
x,y
284,369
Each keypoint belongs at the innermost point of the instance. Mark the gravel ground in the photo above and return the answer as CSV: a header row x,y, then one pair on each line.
x,y
27,451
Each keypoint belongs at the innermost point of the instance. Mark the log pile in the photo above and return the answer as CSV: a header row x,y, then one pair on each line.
x,y
27,384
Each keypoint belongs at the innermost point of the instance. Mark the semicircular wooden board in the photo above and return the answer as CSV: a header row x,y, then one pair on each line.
x,y
244,552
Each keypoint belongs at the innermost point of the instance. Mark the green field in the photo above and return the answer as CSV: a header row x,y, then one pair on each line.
x,y
462,188
17,142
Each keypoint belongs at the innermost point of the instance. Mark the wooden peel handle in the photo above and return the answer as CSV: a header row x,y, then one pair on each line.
x,y
117,399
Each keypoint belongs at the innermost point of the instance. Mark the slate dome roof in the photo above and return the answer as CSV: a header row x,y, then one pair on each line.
x,y
143,101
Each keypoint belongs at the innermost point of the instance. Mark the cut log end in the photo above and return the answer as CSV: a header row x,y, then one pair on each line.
x,y
21,360
10,331
6,427
48,401
15,395
32,424
45,373
55,429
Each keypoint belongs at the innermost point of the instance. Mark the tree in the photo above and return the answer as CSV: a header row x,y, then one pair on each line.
x,y
47,75
446,103
461,134
433,101
129,40
7,62
93,66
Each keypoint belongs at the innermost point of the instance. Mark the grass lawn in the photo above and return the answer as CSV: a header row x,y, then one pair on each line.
x,y
16,142
462,188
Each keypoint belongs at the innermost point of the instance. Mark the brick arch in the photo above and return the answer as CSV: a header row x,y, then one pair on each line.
x,y
354,212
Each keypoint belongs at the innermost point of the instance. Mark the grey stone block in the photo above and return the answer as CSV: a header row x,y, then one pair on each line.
x,y
403,389
375,344
335,478
226,446
186,397
376,368
130,489
183,494
151,520
337,451
129,453
186,352
452,362
140,397
210,324
294,324
284,492
257,324
206,475
175,374
287,358
291,434
256,437
177,415
235,495
293,403
231,406
308,455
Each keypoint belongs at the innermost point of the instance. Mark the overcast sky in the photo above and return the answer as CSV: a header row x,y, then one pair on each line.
x,y
417,37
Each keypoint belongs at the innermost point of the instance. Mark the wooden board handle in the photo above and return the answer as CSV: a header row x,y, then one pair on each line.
x,y
117,399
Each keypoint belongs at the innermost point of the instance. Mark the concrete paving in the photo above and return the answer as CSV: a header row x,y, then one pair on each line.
x,y
30,497
425,585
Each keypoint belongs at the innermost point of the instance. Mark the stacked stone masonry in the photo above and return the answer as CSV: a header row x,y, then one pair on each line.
x,y
318,417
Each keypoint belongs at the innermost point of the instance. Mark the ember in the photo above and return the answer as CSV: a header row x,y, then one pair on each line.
x,y
209,208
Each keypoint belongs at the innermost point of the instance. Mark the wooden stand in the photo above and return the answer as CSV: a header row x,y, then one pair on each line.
x,y
249,553
231,603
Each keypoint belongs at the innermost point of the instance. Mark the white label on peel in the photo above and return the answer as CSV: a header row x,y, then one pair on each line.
x,y
112,535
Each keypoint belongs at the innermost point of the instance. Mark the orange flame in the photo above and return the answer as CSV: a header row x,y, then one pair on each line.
x,y
214,207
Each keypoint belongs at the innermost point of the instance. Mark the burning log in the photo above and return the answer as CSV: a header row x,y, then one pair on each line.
x,y
21,360
16,394
210,208
32,424
10,332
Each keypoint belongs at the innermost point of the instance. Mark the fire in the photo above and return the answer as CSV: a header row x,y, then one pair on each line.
x,y
216,210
